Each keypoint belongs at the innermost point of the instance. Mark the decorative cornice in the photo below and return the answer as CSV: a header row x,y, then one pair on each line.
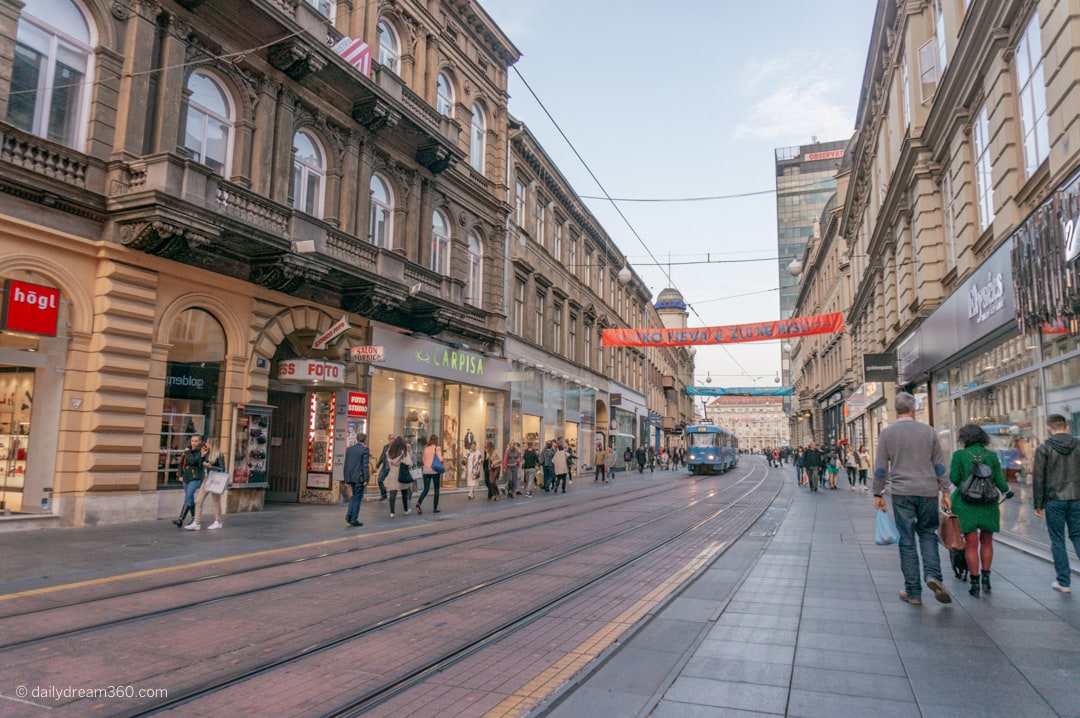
x,y
296,58
286,273
375,113
162,238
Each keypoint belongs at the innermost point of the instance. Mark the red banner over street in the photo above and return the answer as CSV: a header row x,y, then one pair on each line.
x,y
760,332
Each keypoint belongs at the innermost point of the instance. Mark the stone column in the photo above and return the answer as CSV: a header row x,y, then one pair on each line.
x,y
262,139
423,222
363,191
431,62
134,94
350,187
282,146
165,134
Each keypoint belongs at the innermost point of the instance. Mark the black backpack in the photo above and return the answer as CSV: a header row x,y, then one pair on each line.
x,y
978,487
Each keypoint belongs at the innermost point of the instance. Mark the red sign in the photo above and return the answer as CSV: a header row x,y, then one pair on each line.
x,y
830,155
356,53
358,404
761,332
30,308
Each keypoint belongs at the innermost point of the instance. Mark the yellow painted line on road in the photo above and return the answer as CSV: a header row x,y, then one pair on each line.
x,y
555,675
179,567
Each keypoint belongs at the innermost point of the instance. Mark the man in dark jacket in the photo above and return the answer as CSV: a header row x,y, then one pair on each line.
x,y
547,463
639,456
530,461
384,467
812,462
357,476
1056,493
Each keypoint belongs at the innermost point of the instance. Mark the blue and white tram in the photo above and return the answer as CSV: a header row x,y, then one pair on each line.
x,y
710,449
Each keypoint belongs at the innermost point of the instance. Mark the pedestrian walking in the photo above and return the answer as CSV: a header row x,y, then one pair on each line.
x,y
799,467
641,457
492,469
911,465
191,473
432,475
212,460
864,465
546,465
357,474
812,464
512,468
384,467
599,463
400,478
851,463
561,464
651,457
609,464
530,460
1055,480
474,464
628,458
978,522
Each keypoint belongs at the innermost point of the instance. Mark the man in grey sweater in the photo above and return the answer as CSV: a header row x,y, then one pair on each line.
x,y
910,462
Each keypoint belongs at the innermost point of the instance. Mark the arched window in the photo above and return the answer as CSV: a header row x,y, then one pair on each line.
x,y
308,174
478,139
389,48
53,57
381,225
208,131
474,289
440,243
194,380
444,95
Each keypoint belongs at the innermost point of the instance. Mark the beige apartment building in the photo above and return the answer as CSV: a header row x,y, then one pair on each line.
x,y
955,223
758,422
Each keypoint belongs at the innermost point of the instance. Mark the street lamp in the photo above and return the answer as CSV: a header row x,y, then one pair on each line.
x,y
794,267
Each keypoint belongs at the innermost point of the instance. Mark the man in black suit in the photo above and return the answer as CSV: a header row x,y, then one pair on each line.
x,y
357,475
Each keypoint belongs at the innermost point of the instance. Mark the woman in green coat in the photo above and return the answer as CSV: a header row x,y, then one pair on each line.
x,y
979,522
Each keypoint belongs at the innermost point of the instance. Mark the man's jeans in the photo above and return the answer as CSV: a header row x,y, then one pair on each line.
x,y
383,473
549,476
1059,515
917,516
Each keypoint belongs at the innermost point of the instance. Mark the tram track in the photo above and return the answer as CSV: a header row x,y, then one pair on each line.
x,y
389,689
518,523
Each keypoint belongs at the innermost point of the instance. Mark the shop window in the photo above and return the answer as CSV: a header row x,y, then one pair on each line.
x,y
1032,96
16,402
474,286
53,57
193,382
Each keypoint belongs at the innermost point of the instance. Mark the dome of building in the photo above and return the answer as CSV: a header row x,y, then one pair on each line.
x,y
670,298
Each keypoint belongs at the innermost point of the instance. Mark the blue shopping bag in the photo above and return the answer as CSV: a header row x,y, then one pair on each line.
x,y
886,532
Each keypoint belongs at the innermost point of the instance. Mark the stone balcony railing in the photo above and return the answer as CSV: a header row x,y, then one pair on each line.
x,y
48,159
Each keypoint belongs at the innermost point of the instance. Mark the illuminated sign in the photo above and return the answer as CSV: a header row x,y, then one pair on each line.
x,y
311,371
358,403
830,155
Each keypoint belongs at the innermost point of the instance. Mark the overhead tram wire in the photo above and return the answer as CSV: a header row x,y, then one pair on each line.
x,y
708,198
614,204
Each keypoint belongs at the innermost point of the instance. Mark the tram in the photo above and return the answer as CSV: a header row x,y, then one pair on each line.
x,y
710,449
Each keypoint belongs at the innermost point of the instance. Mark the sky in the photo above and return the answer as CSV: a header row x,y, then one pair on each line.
x,y
690,99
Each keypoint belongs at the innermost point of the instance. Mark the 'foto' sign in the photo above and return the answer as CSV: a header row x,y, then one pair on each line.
x,y
30,308
311,371
358,405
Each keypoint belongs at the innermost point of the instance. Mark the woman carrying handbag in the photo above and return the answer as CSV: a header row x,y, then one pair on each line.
x,y
433,471
212,461
400,478
979,522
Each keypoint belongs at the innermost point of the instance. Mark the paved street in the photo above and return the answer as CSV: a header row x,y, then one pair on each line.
x,y
801,617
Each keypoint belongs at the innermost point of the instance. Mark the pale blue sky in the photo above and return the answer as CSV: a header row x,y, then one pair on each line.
x,y
685,99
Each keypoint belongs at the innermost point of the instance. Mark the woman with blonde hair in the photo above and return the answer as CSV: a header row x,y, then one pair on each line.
x,y
400,460
473,465
212,460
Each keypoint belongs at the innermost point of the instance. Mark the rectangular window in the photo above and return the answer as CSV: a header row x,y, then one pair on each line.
x,y
1029,78
556,328
574,269
539,223
928,71
556,241
587,345
519,204
949,207
906,90
984,188
600,281
519,306
538,336
939,36
571,338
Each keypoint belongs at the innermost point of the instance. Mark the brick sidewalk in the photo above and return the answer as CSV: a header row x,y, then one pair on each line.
x,y
801,617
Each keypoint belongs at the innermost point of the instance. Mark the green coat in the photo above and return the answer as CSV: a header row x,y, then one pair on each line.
x,y
976,516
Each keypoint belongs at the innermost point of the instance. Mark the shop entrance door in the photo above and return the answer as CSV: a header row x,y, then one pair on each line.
x,y
286,446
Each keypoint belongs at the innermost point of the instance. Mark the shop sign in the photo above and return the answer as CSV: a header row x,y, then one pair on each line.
x,y
358,403
616,399
311,371
879,367
987,300
191,380
30,308
408,354
339,328
367,355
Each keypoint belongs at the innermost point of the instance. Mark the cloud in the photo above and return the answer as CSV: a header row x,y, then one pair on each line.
x,y
798,96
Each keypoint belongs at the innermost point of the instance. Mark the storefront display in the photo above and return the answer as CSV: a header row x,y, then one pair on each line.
x,y
16,402
251,437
